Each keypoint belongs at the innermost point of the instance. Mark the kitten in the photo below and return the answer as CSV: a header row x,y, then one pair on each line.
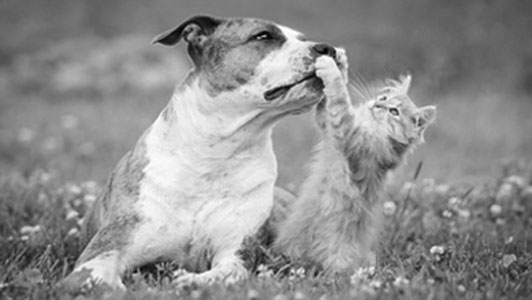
x,y
335,221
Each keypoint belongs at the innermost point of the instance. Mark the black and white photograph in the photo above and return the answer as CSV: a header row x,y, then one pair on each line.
x,y
265,149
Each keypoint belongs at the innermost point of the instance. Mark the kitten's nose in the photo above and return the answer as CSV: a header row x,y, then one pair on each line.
x,y
324,49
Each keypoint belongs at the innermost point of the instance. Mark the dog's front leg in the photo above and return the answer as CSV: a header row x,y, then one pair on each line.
x,y
99,266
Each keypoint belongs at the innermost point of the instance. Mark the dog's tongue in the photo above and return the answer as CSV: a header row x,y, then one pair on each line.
x,y
276,93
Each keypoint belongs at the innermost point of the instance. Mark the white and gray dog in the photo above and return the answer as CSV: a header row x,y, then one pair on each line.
x,y
201,178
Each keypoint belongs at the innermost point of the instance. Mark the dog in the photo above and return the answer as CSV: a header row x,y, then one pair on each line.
x,y
201,177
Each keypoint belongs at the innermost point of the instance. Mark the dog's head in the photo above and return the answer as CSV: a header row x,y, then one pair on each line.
x,y
252,61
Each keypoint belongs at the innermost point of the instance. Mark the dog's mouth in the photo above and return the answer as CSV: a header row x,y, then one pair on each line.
x,y
280,91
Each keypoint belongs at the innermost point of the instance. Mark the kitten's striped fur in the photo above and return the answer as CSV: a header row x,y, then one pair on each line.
x,y
335,220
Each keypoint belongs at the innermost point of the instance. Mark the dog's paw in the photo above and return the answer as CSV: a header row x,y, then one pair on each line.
x,y
193,280
83,282
235,275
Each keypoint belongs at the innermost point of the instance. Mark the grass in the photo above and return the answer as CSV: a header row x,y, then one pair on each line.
x,y
458,228
440,242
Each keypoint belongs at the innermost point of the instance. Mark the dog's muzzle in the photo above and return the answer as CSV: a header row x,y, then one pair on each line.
x,y
316,51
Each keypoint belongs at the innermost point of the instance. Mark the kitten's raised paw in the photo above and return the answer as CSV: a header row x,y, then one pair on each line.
x,y
328,71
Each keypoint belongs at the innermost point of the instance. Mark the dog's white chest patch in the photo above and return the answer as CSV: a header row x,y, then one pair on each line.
x,y
190,209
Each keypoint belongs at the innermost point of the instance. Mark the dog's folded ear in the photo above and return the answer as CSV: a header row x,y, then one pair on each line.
x,y
194,31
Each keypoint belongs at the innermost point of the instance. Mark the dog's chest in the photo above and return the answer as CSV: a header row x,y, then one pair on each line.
x,y
189,187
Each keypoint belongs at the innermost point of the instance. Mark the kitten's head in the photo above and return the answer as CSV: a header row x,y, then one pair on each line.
x,y
399,117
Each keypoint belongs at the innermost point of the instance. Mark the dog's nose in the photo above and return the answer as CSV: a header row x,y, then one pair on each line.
x,y
324,49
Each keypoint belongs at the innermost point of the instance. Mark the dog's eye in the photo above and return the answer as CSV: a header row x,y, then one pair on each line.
x,y
263,36
383,98
394,111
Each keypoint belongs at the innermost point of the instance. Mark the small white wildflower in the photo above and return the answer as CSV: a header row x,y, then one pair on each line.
x,y
509,240
500,221
74,189
25,135
28,230
69,122
367,271
442,189
495,210
24,238
362,274
295,274
431,281
437,250
280,297
461,288
301,272
406,188
464,213
505,193
45,177
454,201
508,259
73,232
447,214
76,202
264,272
300,296
376,284
253,295
389,208
89,199
71,215
517,181
400,281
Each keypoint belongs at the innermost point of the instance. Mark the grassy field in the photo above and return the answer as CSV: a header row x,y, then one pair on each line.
x,y
80,82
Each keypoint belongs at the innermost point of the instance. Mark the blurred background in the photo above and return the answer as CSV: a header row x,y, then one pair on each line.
x,y
80,81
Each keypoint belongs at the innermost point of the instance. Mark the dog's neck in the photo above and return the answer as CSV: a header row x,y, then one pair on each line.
x,y
219,127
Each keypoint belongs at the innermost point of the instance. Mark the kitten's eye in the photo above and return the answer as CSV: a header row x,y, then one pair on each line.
x,y
383,98
263,36
394,111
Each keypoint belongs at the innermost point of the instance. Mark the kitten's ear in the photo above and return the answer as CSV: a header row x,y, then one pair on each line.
x,y
406,80
401,85
194,31
426,115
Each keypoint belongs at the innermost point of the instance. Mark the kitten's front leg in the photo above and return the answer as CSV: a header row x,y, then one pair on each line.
x,y
335,89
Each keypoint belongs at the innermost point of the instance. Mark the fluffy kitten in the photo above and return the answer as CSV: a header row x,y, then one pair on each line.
x,y
336,218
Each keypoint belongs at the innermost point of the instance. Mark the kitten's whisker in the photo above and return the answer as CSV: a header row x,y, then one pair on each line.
x,y
363,88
